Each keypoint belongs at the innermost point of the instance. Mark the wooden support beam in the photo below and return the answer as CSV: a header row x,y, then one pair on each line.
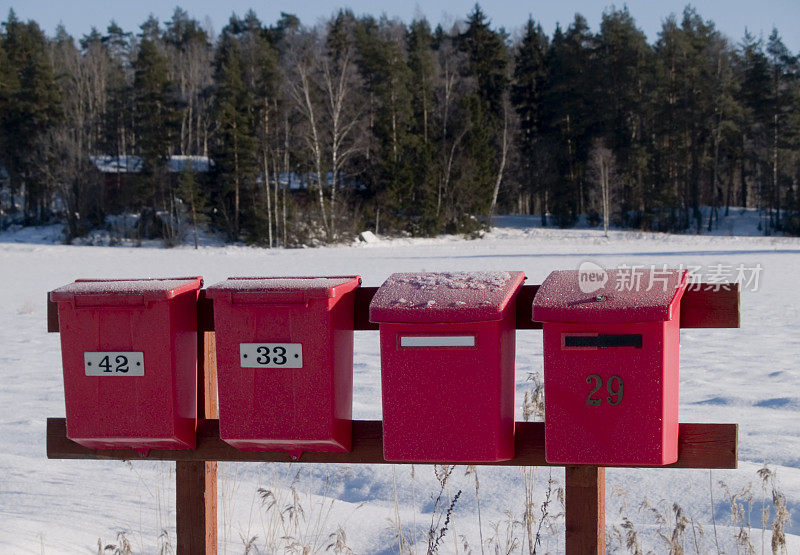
x,y
710,306
699,446
585,511
363,298
52,315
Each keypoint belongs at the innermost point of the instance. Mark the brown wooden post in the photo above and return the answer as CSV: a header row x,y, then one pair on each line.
x,y
585,510
196,481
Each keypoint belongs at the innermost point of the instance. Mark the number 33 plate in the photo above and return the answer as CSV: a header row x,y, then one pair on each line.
x,y
271,355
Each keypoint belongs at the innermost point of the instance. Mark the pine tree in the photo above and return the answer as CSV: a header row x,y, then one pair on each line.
x,y
487,62
685,112
157,117
387,78
754,76
31,108
571,115
783,100
234,150
625,67
188,50
422,136
527,92
194,199
9,89
154,104
117,136
726,115
259,60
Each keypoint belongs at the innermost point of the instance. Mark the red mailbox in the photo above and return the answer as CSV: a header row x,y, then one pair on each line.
x,y
611,366
447,365
129,350
285,362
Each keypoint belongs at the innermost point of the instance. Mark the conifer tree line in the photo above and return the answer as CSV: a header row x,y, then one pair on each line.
x,y
362,123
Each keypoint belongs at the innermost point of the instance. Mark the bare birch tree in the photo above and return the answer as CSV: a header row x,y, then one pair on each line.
x,y
602,167
504,146
340,82
303,53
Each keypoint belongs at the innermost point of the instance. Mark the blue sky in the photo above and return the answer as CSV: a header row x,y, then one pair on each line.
x,y
731,16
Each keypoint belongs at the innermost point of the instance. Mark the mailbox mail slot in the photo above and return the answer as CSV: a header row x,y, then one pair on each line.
x,y
129,351
602,340
285,362
611,368
447,365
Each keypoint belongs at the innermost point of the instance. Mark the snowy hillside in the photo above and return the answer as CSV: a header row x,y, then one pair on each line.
x,y
749,376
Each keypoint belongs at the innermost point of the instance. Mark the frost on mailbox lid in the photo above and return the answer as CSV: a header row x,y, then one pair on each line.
x,y
152,289
444,297
628,295
269,287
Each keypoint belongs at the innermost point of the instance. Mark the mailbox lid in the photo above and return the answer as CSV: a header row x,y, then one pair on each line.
x,y
444,297
124,292
653,296
282,289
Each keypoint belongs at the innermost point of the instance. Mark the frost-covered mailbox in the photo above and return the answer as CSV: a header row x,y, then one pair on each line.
x,y
285,362
447,365
611,366
129,351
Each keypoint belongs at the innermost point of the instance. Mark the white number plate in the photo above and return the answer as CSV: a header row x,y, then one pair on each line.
x,y
271,355
423,341
113,363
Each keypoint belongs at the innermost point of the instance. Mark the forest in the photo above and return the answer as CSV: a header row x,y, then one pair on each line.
x,y
287,134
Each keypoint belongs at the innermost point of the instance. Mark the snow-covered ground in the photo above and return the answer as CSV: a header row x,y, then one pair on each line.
x,y
748,375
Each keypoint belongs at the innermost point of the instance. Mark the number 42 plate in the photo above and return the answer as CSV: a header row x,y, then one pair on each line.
x,y
113,363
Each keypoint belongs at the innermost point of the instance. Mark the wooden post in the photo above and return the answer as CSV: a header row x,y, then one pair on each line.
x,y
585,512
196,481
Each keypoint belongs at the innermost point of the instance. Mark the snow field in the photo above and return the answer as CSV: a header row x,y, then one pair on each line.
x,y
748,375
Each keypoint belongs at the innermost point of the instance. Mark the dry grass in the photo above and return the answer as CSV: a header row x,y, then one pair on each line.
x,y
122,547
741,507
680,533
298,521
158,489
782,518
533,399
441,509
295,521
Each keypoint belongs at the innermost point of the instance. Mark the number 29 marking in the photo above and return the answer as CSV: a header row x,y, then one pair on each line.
x,y
614,387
